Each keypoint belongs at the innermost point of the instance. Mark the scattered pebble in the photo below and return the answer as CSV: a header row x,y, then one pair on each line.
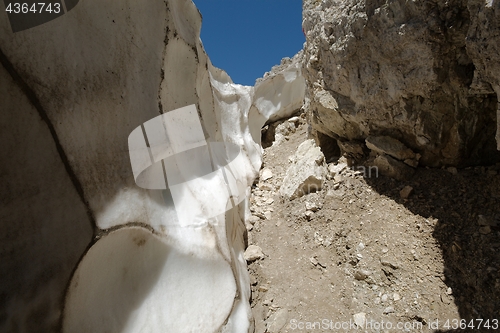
x,y
266,174
452,170
361,274
485,230
313,206
405,192
388,310
360,319
253,219
389,263
263,288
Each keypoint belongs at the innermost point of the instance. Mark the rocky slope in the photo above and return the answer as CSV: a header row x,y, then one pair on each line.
x,y
365,252
422,72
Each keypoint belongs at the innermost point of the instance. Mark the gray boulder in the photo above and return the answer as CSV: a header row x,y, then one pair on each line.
x,y
307,172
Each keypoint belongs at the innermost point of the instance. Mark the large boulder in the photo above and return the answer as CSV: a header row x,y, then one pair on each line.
x,y
307,172
404,69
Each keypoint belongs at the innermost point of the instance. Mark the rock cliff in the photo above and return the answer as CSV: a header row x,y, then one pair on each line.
x,y
421,72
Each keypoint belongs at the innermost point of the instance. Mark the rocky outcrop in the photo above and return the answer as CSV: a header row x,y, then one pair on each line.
x,y
414,71
86,249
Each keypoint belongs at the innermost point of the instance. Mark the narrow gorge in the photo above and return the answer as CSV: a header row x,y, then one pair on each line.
x,y
358,181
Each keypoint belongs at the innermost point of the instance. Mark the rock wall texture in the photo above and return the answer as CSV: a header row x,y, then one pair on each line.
x,y
421,72
84,249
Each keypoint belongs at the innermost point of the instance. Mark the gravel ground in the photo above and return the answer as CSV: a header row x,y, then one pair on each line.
x,y
371,254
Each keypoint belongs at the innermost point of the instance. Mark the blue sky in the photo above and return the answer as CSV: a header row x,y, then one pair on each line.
x,y
247,37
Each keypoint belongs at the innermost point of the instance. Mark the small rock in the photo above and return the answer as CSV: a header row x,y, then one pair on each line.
x,y
389,146
268,301
312,206
265,187
336,169
253,280
263,288
360,319
412,163
384,298
361,274
309,215
449,291
278,321
492,172
396,297
253,219
391,167
360,247
266,174
445,299
249,226
314,261
389,263
388,310
486,221
452,170
337,179
252,253
267,215
485,230
294,119
405,192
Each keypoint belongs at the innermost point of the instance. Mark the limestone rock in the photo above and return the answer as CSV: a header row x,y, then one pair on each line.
x,y
389,146
277,321
405,192
388,166
335,169
265,174
306,174
404,69
253,252
360,319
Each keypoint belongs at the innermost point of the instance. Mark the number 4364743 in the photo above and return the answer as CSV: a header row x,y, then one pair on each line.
x,y
40,7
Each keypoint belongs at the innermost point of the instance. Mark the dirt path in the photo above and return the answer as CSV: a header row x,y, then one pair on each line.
x,y
363,254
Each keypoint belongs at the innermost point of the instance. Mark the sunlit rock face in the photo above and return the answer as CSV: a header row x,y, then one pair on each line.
x,y
86,249
403,69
